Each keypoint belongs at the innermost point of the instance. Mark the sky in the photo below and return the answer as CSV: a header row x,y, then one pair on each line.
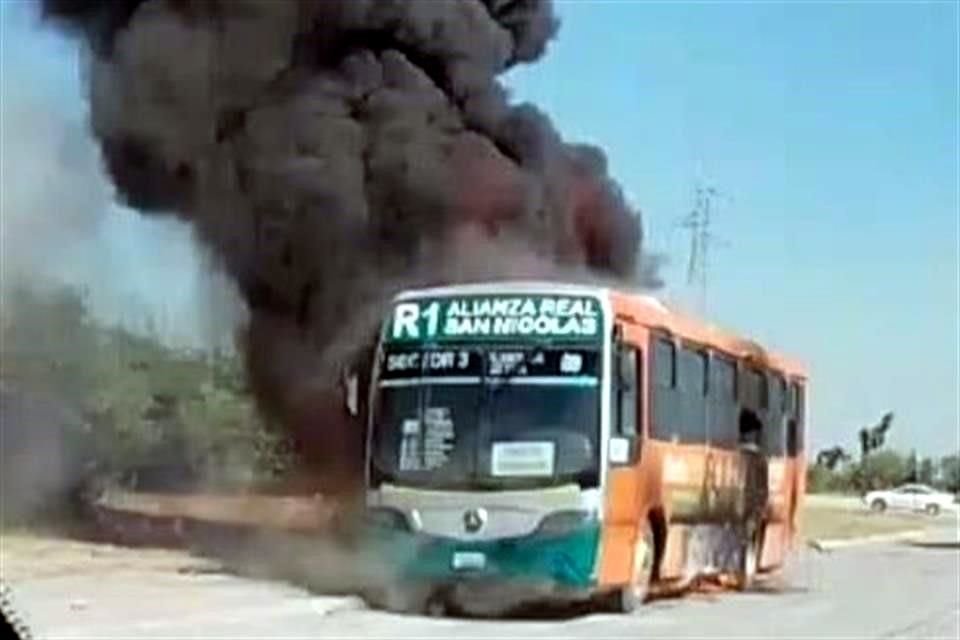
x,y
60,222
829,129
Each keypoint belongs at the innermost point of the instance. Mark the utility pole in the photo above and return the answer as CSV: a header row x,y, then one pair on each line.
x,y
698,221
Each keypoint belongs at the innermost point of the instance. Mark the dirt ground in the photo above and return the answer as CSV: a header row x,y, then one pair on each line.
x,y
33,554
28,554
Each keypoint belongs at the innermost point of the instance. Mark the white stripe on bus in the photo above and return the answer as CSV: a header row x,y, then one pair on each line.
x,y
572,381
410,382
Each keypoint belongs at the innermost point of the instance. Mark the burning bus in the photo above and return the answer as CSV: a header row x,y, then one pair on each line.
x,y
536,440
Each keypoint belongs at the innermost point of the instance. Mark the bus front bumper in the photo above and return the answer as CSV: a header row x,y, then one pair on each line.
x,y
512,570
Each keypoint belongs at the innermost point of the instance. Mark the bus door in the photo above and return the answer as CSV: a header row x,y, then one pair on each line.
x,y
795,451
622,499
626,418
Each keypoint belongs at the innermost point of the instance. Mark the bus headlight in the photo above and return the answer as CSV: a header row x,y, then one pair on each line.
x,y
562,522
387,518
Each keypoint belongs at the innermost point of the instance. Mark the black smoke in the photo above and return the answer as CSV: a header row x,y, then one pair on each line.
x,y
330,151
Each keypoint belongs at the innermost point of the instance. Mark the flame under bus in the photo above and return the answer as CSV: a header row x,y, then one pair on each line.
x,y
529,438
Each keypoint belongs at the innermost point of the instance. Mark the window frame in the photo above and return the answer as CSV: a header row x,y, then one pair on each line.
x,y
626,352
666,341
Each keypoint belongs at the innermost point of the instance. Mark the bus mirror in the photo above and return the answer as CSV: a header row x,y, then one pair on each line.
x,y
620,449
352,393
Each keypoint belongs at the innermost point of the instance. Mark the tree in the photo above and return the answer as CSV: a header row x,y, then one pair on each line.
x,y
823,479
818,478
142,413
950,472
872,438
831,458
881,469
913,468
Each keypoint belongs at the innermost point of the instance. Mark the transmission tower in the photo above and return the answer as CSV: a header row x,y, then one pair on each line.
x,y
699,221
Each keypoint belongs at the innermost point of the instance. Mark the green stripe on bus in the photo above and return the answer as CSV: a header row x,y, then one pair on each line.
x,y
566,560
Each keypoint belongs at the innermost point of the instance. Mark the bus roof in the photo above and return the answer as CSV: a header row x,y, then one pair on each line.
x,y
642,308
519,287
656,315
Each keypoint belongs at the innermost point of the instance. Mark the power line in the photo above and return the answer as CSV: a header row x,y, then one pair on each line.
x,y
702,239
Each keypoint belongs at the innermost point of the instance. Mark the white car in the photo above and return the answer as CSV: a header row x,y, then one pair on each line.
x,y
910,497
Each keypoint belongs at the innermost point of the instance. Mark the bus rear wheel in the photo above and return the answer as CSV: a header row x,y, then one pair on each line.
x,y
749,560
629,597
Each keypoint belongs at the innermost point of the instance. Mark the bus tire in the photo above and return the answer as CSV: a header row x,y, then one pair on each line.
x,y
749,560
629,597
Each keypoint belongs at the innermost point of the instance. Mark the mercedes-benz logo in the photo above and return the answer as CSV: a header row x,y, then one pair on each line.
x,y
474,519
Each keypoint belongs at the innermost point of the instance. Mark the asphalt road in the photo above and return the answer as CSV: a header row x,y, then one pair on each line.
x,y
882,590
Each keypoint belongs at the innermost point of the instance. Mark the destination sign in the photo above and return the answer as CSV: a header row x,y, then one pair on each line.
x,y
495,318
405,364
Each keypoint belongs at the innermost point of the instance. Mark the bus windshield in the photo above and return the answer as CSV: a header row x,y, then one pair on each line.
x,y
471,418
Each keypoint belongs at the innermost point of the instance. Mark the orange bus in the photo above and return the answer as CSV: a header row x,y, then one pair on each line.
x,y
550,440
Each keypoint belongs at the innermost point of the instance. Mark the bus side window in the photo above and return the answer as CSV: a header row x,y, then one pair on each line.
x,y
796,421
764,394
691,418
753,404
777,415
722,430
627,390
784,395
665,363
663,394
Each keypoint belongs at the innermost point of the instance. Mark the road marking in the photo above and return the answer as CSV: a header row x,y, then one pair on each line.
x,y
234,615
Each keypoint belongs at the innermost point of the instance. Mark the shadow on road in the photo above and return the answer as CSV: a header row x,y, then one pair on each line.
x,y
537,612
777,589
933,545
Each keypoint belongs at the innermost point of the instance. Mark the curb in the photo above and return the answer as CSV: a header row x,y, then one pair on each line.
x,y
840,543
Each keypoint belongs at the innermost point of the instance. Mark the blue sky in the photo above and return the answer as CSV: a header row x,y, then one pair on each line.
x,y
832,130
830,127
60,222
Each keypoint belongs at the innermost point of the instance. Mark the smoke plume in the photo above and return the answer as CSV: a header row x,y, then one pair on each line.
x,y
330,151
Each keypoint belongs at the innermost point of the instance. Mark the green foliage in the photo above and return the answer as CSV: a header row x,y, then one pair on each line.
x,y
950,472
822,479
927,472
818,478
882,469
147,410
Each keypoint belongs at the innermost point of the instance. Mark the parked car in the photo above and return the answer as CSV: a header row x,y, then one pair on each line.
x,y
910,497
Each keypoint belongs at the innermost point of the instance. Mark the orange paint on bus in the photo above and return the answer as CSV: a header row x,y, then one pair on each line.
x,y
644,492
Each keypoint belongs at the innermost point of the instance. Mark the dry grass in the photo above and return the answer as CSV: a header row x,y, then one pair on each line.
x,y
822,522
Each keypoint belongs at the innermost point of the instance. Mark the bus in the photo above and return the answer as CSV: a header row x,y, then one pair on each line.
x,y
542,440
